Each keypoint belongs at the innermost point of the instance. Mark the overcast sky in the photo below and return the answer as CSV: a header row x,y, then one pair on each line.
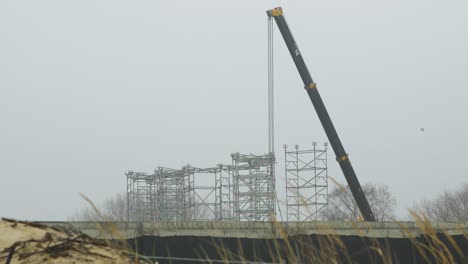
x,y
92,89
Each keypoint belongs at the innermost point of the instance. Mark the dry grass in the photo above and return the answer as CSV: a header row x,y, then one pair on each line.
x,y
434,245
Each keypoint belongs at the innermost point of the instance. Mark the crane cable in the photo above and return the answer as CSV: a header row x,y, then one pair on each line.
x,y
271,108
271,147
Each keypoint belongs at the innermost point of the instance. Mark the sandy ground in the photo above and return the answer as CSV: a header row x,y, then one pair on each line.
x,y
26,242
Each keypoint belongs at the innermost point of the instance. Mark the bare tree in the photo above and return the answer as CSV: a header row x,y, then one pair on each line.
x,y
450,206
343,207
202,211
113,209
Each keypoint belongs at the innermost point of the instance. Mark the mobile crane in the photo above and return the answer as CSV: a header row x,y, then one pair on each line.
x,y
311,88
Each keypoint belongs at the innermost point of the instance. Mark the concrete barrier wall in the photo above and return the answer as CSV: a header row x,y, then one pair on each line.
x,y
127,230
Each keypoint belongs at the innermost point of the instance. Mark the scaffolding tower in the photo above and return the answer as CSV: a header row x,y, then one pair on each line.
x,y
226,195
161,196
306,182
242,191
254,187
205,185
173,200
141,196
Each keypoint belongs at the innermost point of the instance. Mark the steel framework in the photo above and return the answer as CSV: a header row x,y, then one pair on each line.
x,y
254,187
173,199
226,194
243,191
306,182
141,196
205,189
161,196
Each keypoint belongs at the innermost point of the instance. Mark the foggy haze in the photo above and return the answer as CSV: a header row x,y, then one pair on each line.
x,y
92,89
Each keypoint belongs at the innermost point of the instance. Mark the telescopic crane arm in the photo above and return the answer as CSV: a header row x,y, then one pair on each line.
x,y
311,88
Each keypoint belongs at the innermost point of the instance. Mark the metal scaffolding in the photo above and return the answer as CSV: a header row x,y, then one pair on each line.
x,y
141,193
306,182
254,187
242,191
174,200
226,195
205,189
161,196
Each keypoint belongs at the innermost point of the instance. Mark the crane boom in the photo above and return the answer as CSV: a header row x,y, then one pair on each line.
x,y
311,88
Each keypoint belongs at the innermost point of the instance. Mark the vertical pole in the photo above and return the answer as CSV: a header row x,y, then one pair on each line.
x,y
314,144
298,198
128,196
286,179
271,121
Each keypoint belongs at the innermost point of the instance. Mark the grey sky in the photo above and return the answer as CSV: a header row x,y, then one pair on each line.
x,y
91,89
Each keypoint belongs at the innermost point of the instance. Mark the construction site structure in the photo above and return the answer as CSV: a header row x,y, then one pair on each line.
x,y
141,196
161,196
306,175
205,189
254,187
243,191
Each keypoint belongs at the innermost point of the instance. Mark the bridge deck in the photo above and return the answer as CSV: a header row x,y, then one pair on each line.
x,y
127,230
